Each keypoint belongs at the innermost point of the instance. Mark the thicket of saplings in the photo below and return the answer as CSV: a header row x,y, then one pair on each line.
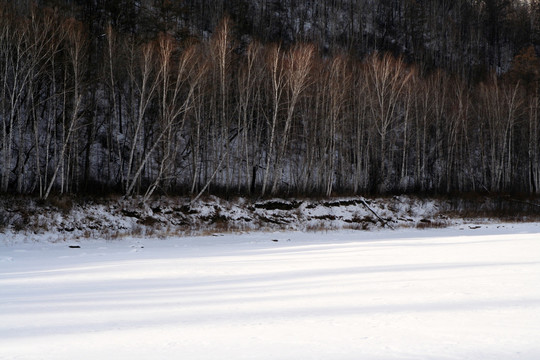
x,y
147,116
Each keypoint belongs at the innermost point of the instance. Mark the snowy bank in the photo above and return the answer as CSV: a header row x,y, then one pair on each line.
x,y
66,218
77,218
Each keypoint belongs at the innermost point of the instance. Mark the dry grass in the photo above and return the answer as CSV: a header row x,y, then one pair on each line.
x,y
358,226
318,227
62,203
432,224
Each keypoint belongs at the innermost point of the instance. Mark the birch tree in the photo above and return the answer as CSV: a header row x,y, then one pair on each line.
x,y
142,73
178,80
76,47
278,82
387,78
297,69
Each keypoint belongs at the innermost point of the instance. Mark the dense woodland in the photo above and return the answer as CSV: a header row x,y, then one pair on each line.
x,y
269,97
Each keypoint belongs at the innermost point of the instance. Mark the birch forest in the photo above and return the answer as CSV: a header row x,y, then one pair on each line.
x,y
268,98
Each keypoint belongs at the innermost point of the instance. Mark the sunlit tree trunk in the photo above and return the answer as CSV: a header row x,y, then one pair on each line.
x,y
387,79
146,89
296,74
278,82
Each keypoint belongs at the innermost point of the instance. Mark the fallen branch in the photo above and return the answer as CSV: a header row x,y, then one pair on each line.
x,y
384,222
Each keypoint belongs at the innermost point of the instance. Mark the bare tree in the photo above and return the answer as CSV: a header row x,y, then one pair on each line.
x,y
409,94
76,47
197,123
278,82
249,85
387,78
14,81
338,84
145,68
221,51
47,36
297,69
176,94
499,109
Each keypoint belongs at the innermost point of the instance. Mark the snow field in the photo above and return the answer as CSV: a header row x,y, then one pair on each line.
x,y
408,294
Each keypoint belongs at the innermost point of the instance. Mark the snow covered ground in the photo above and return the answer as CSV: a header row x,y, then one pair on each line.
x,y
469,293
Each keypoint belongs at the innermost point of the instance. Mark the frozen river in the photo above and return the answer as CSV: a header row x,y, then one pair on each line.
x,y
469,293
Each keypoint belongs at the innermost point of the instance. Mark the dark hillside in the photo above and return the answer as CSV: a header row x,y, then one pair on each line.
x,y
269,97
